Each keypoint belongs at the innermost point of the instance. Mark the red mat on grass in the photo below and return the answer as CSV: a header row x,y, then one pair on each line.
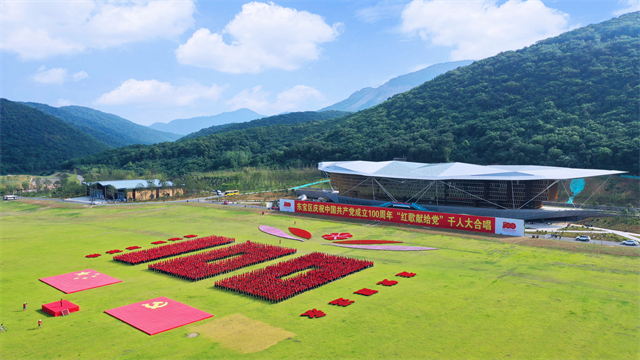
x,y
79,280
157,315
55,309
300,232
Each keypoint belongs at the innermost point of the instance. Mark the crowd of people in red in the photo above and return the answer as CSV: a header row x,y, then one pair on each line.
x,y
267,283
165,251
197,267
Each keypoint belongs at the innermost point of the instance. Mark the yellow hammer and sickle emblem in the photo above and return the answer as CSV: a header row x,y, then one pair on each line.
x,y
156,304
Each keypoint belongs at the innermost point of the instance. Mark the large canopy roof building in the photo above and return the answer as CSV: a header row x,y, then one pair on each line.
x,y
458,185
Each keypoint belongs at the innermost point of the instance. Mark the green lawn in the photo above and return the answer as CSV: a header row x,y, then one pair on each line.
x,y
472,299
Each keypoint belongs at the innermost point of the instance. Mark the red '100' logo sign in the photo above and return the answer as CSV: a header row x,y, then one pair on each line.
x,y
287,204
508,225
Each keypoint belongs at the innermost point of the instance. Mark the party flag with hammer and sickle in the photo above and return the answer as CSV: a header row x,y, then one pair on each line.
x,y
154,316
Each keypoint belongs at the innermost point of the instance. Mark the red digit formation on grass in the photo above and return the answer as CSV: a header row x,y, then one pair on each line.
x,y
92,255
267,283
114,251
196,267
164,251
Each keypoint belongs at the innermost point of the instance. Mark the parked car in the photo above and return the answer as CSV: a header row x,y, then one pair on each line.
x,y
219,193
629,243
583,238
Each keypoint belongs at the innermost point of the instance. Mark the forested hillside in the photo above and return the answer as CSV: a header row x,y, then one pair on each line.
x,y
571,100
33,142
290,118
108,128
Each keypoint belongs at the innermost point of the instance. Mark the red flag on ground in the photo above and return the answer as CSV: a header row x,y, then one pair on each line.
x,y
79,280
314,313
386,282
342,302
406,274
366,292
157,315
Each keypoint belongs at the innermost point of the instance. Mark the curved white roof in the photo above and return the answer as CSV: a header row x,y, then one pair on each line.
x,y
457,171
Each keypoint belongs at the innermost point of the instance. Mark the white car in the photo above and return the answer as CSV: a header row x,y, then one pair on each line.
x,y
629,243
583,238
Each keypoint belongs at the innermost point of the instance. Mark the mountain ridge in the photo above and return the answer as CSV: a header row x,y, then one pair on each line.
x,y
108,128
369,96
33,142
190,125
287,118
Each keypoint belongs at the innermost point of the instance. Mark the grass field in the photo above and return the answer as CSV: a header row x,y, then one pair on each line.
x,y
475,298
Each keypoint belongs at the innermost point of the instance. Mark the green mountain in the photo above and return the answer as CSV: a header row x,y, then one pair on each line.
x,y
289,118
188,126
109,128
572,100
368,97
33,141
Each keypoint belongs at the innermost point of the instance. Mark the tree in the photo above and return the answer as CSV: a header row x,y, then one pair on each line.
x,y
151,185
111,192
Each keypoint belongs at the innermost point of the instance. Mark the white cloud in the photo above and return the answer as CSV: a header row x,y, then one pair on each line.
x,y
382,10
297,98
56,76
153,92
264,36
479,29
627,7
51,76
40,29
64,102
80,75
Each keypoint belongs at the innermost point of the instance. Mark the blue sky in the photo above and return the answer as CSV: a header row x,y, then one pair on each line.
x,y
163,60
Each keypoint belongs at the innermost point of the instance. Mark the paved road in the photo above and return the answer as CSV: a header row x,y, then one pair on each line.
x,y
573,239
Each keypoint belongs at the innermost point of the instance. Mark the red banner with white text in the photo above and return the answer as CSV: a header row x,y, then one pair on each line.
x,y
430,219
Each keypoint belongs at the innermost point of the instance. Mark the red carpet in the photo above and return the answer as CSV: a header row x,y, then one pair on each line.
x,y
300,232
157,315
55,309
79,280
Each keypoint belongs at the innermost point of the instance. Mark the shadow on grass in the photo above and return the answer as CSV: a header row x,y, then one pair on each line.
x,y
243,296
44,313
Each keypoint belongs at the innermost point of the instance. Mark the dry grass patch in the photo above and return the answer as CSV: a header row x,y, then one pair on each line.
x,y
244,335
